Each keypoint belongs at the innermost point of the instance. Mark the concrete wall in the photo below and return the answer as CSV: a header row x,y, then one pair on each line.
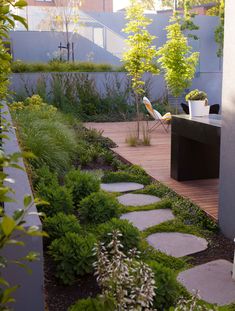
x,y
30,295
227,169
210,82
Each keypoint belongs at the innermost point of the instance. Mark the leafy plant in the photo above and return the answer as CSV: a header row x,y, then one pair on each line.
x,y
168,291
139,58
196,95
94,304
59,198
176,59
58,225
73,256
193,304
81,184
98,207
129,281
219,31
130,235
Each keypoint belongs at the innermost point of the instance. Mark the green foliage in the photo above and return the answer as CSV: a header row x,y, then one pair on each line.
x,y
58,225
59,198
219,31
190,214
187,22
94,304
81,184
45,133
196,95
177,60
133,173
165,203
73,256
98,207
168,291
159,190
141,53
57,66
130,238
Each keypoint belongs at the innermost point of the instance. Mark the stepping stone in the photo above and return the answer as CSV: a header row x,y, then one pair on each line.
x,y
131,199
177,244
121,186
145,219
212,280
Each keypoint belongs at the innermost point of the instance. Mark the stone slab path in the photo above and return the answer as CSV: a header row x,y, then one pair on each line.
x,y
145,219
177,244
131,199
212,280
121,187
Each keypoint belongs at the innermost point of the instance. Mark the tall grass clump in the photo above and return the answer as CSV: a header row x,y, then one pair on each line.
x,y
44,132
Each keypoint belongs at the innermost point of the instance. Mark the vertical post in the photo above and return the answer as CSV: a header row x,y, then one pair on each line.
x,y
60,47
234,265
175,5
73,52
68,50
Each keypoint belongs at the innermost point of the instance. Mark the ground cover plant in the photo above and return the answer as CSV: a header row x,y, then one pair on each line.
x,y
79,215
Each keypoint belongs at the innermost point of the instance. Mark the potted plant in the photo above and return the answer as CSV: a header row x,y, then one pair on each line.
x,y
198,103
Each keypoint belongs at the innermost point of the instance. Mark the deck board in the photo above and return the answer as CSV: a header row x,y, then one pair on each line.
x,y
155,159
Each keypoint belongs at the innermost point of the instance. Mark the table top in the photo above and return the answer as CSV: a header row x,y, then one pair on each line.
x,y
211,119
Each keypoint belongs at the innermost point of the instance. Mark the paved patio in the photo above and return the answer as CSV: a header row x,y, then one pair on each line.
x,y
155,159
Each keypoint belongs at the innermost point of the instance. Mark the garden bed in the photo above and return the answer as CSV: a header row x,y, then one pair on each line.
x,y
69,164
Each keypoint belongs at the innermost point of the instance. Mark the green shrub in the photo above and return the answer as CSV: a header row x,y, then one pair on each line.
x,y
130,238
168,291
98,207
60,66
94,304
60,224
81,184
59,199
73,256
44,176
122,176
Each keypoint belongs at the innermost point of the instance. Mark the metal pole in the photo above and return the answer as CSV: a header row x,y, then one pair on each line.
x,y
73,52
233,276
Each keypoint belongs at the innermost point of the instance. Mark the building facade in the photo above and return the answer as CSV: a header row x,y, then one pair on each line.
x,y
85,5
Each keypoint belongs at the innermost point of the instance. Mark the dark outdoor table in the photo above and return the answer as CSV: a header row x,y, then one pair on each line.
x,y
195,147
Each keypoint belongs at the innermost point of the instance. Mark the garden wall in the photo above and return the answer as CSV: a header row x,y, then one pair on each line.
x,y
209,82
30,295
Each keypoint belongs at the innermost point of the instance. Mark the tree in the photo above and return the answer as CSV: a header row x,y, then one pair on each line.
x,y
219,31
187,20
180,3
64,17
139,58
176,59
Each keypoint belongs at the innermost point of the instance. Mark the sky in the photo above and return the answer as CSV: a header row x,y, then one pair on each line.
x,y
120,4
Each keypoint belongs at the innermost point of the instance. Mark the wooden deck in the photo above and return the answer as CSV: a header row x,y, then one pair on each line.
x,y
155,159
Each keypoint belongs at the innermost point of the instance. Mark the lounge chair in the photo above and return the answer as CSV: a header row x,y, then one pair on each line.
x,y
160,120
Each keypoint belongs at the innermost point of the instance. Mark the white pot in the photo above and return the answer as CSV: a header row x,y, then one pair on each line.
x,y
198,108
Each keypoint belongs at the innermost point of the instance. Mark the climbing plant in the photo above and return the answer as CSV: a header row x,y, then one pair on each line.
x,y
188,24
140,55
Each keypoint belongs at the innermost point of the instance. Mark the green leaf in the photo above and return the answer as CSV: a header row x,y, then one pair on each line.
x,y
27,200
8,224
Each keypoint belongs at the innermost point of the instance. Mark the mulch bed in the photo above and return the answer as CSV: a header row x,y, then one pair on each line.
x,y
219,248
59,297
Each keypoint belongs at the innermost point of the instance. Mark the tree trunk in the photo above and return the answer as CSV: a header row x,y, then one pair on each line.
x,y
137,102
